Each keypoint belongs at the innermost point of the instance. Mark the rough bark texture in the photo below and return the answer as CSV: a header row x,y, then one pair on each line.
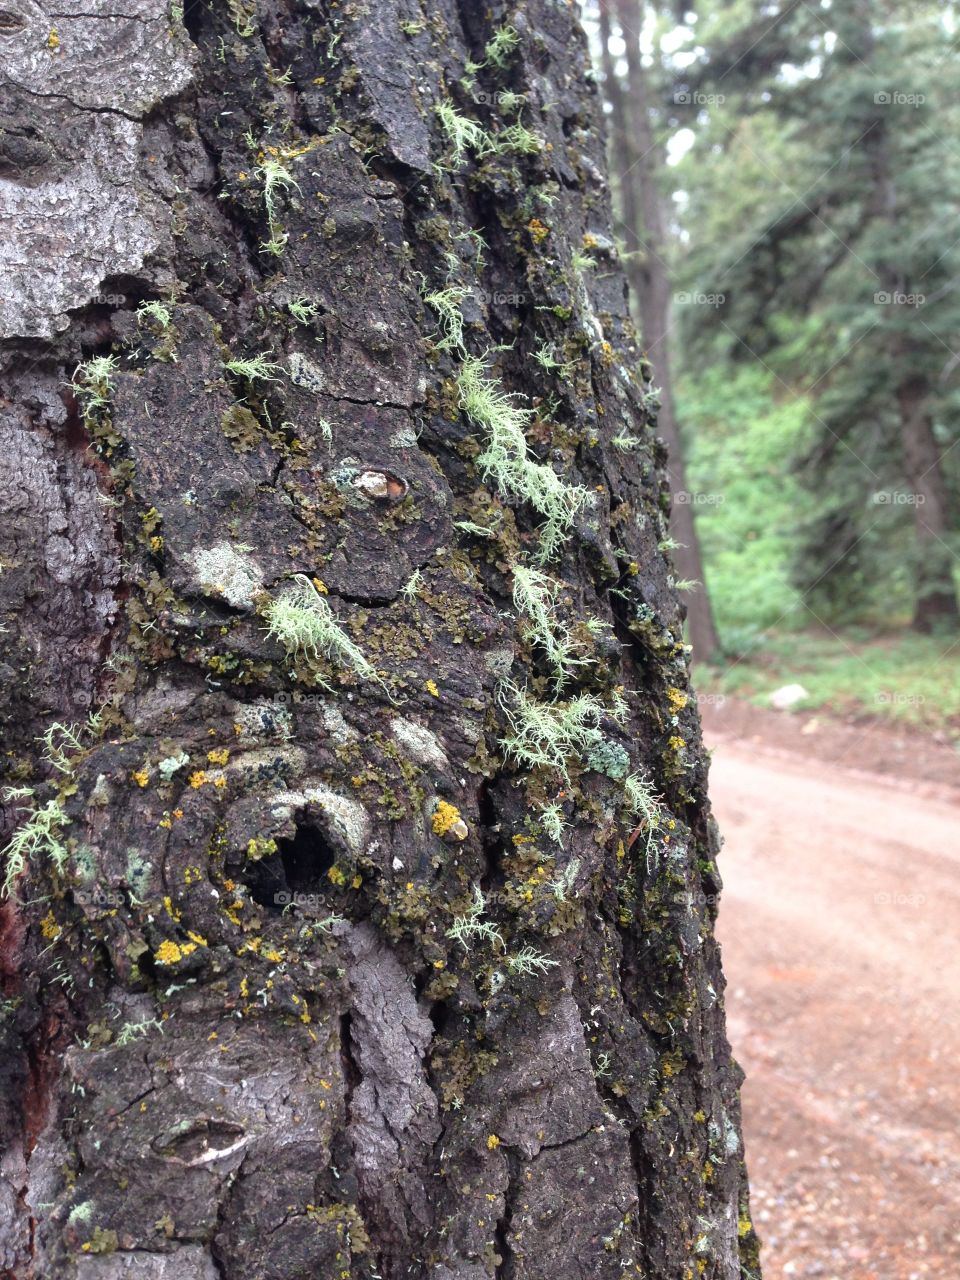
x,y
238,1037
936,595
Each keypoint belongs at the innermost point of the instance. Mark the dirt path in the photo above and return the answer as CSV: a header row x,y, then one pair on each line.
x,y
840,923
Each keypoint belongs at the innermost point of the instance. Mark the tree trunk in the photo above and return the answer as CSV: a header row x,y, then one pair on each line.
x,y
342,935
643,216
935,601
935,598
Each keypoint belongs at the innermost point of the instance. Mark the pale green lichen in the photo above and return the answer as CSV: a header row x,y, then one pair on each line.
x,y
505,458
171,764
463,133
303,622
93,383
446,303
528,962
471,926
38,835
501,45
254,368
535,596
548,735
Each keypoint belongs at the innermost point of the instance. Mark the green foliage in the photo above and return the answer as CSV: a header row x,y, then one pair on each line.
x,y
303,622
897,676
739,430
821,207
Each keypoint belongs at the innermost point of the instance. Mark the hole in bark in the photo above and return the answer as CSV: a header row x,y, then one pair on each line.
x,y
306,859
193,18
351,1072
299,866
440,1015
267,883
10,22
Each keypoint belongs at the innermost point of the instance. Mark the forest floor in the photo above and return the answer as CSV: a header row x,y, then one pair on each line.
x,y
839,923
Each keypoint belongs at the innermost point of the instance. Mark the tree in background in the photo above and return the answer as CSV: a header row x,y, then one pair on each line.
x,y
638,158
824,187
358,880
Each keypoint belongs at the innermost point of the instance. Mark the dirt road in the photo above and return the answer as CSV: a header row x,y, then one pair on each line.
x,y
840,923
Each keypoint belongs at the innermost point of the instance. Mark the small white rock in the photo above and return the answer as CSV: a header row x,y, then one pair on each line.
x,y
788,696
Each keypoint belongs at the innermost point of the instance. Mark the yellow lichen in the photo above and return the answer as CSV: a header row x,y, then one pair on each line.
x,y
445,816
49,927
167,953
677,698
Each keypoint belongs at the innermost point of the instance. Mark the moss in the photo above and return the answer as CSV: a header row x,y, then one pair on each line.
x,y
241,428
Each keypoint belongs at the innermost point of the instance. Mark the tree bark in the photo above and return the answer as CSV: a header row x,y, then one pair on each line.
x,y
935,600
650,281
935,595
341,936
